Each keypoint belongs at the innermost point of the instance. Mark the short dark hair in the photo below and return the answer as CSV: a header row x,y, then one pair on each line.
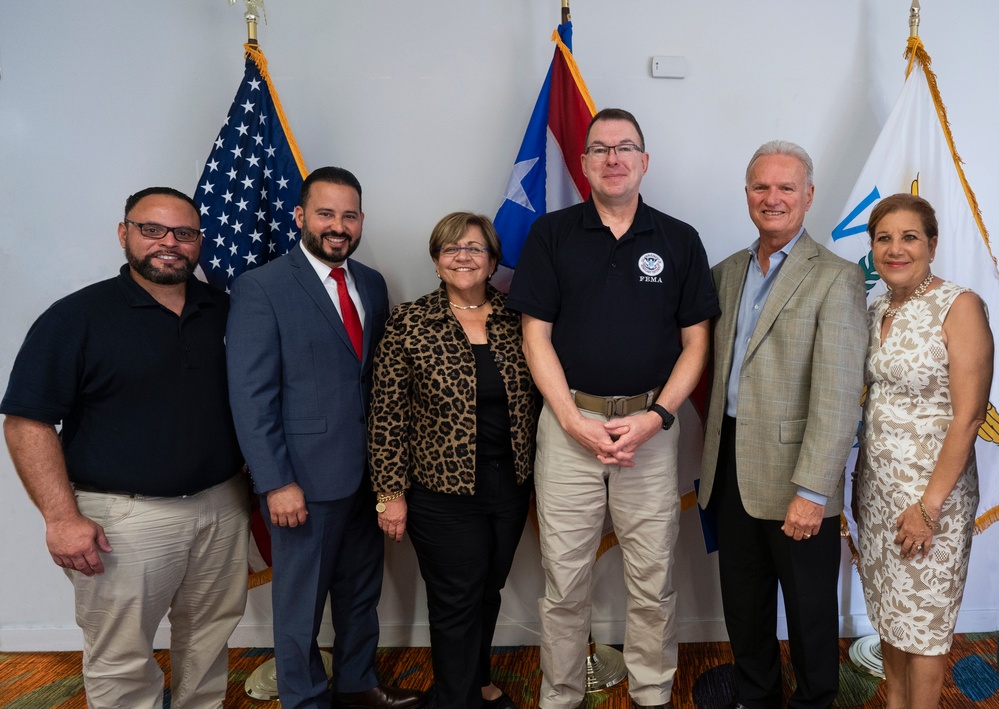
x,y
333,175
616,114
451,228
903,202
168,191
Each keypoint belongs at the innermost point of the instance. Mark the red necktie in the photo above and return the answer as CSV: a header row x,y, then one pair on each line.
x,y
348,311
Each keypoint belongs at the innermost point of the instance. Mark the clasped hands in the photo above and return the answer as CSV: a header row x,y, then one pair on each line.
x,y
615,442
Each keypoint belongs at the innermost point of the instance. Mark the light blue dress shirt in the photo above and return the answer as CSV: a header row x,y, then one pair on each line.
x,y
754,296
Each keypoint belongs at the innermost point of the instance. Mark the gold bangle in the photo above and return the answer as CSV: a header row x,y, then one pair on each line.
x,y
927,520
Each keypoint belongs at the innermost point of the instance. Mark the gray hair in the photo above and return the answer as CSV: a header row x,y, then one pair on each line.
x,y
783,147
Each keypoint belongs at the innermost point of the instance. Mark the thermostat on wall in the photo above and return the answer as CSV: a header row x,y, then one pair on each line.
x,y
669,67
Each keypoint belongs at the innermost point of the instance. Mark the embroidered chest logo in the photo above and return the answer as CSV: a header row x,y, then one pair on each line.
x,y
651,265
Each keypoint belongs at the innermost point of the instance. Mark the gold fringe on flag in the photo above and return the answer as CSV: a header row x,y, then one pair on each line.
x,y
916,52
254,52
259,578
574,70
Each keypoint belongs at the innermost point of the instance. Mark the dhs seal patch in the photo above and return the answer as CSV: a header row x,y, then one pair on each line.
x,y
651,265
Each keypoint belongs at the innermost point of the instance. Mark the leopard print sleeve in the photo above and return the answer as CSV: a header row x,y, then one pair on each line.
x,y
389,415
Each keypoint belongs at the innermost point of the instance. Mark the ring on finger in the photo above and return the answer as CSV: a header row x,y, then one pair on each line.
x,y
806,535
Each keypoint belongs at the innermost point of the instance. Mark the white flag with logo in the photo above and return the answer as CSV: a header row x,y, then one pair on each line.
x,y
915,154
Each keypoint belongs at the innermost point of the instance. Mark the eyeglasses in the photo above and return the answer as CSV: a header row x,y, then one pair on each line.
x,y
158,231
470,250
602,152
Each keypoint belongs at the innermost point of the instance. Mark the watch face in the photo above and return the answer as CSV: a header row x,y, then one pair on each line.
x,y
380,507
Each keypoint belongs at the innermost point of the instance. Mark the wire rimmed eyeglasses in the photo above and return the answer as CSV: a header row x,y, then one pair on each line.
x,y
455,250
151,230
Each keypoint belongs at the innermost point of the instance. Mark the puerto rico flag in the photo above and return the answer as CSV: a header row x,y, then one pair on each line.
x,y
547,174
915,153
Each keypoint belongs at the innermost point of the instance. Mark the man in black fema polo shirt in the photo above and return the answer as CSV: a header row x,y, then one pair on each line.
x,y
616,300
144,503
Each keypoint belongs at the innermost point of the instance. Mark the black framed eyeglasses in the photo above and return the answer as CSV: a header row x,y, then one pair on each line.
x,y
151,230
470,250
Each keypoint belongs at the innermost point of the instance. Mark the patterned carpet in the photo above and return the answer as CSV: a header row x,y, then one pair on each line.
x,y
50,680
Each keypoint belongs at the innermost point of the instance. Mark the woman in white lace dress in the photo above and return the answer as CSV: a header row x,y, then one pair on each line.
x,y
928,373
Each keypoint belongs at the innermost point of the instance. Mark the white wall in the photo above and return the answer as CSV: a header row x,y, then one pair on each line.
x,y
427,103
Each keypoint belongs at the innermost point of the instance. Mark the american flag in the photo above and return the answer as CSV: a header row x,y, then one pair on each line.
x,y
251,183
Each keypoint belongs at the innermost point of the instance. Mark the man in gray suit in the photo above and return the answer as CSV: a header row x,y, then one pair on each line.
x,y
301,333
789,352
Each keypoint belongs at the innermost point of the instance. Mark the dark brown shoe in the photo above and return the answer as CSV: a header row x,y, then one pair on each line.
x,y
380,698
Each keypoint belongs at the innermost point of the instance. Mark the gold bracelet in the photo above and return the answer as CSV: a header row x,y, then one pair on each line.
x,y
926,517
384,497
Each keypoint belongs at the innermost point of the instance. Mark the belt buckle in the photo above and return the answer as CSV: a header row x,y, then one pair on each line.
x,y
615,406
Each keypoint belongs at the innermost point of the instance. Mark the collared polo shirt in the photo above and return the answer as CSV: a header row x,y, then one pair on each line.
x,y
617,305
141,392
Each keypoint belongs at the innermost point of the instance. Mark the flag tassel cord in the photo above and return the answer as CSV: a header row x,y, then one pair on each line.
x,y
254,52
916,52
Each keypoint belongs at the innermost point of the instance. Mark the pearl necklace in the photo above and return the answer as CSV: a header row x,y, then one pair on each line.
x,y
467,307
920,289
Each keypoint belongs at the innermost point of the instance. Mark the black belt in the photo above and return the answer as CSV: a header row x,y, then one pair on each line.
x,y
82,487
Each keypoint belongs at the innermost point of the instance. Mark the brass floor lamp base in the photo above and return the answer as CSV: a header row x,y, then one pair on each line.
x,y
262,682
604,667
865,654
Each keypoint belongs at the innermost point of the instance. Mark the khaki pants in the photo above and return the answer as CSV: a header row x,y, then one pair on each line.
x,y
574,492
185,556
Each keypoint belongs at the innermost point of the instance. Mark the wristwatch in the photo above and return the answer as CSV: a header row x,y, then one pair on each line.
x,y
666,416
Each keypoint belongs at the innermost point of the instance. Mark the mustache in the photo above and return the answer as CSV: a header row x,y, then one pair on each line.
x,y
333,232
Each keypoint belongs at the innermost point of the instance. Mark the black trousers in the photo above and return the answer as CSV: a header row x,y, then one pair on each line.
x,y
465,546
754,555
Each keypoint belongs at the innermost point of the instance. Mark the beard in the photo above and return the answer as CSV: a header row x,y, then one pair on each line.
x,y
324,251
147,268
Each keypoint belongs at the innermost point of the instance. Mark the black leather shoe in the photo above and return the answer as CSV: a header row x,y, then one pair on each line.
x,y
667,705
380,698
503,701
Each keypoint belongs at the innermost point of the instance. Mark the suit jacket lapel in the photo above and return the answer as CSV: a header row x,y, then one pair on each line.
x,y
729,295
308,279
792,273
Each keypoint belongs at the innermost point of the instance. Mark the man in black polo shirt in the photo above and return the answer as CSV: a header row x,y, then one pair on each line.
x,y
616,299
145,507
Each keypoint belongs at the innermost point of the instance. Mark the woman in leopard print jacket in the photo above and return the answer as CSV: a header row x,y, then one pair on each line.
x,y
451,447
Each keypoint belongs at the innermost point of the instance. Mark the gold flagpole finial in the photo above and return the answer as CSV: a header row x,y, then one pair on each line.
x,y
914,19
565,11
254,10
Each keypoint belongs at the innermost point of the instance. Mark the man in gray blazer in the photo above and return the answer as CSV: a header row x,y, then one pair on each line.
x,y
789,352
302,330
